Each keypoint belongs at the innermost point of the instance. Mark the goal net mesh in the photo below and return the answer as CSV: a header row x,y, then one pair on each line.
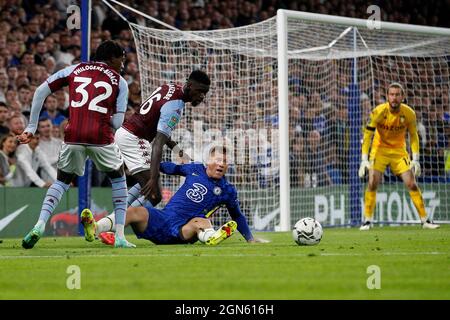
x,y
241,110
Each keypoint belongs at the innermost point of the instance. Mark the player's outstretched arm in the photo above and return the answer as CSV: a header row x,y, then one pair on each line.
x,y
53,83
236,214
173,169
367,141
41,93
414,138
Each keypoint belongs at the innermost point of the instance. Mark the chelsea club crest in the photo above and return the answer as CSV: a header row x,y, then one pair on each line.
x,y
217,191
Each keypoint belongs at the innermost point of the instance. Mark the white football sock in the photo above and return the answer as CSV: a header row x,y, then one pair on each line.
x,y
106,224
204,234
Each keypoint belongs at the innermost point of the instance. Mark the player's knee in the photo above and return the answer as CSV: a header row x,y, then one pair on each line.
x,y
116,173
201,223
135,214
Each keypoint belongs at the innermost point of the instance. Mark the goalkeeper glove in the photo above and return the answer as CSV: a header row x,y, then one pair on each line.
x,y
365,164
415,165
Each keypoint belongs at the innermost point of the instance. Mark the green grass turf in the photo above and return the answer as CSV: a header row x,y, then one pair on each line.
x,y
415,264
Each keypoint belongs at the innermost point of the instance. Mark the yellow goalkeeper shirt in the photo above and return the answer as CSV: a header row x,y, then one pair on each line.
x,y
390,128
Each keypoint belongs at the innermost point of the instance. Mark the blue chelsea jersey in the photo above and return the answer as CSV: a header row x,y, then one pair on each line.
x,y
201,196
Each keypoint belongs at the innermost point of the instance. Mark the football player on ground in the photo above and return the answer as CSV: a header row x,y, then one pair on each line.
x,y
390,121
185,218
98,101
154,122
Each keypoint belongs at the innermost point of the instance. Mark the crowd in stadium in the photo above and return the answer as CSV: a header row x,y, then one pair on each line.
x,y
35,42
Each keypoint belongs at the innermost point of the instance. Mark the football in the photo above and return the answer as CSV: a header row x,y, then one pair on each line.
x,y
307,232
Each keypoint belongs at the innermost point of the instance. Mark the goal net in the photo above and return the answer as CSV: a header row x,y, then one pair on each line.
x,y
337,72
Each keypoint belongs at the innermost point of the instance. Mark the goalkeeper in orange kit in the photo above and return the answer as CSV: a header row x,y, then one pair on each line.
x,y
390,121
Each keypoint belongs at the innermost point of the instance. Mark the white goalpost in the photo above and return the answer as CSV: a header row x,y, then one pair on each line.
x,y
357,41
290,97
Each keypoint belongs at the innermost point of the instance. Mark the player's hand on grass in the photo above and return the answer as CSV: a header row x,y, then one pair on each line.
x,y
415,165
365,165
152,192
25,137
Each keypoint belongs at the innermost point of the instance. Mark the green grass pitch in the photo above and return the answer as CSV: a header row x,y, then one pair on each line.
x,y
414,264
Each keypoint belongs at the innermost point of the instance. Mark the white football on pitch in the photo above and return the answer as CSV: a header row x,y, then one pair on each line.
x,y
307,232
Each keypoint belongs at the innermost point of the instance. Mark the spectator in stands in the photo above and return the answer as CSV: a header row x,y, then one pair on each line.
x,y
30,160
4,83
51,111
12,73
25,98
8,145
48,144
317,175
4,129
16,124
63,102
34,32
297,160
41,52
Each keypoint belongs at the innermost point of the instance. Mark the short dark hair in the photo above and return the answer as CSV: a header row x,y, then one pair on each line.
x,y
44,118
23,86
200,76
108,50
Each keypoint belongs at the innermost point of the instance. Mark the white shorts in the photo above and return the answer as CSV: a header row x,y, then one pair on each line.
x,y
136,152
72,158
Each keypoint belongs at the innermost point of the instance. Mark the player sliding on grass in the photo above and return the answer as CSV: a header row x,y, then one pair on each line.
x,y
98,98
390,121
185,217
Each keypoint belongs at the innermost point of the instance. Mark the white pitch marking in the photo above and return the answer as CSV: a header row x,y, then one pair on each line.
x,y
218,255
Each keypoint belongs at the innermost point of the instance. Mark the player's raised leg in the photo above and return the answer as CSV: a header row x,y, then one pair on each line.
x,y
370,198
416,197
137,217
89,225
51,201
109,160
203,230
199,228
224,232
